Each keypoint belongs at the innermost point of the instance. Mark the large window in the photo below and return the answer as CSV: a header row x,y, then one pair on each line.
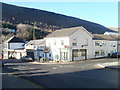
x,y
100,52
82,52
75,53
97,53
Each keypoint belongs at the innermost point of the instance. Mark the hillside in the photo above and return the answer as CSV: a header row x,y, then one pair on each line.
x,y
16,15
114,29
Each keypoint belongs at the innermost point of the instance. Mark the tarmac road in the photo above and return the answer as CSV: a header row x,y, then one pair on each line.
x,y
81,74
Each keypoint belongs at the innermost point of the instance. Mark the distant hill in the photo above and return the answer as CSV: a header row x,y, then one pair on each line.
x,y
114,29
16,15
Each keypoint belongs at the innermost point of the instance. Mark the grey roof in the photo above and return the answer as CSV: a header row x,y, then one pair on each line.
x,y
42,43
15,40
64,32
105,37
37,42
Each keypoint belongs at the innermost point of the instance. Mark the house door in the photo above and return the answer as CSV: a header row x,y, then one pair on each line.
x,y
31,54
64,55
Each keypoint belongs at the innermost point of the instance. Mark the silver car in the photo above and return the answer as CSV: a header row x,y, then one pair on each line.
x,y
27,59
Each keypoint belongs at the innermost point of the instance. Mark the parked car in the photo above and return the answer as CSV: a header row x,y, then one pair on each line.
x,y
27,59
2,63
115,55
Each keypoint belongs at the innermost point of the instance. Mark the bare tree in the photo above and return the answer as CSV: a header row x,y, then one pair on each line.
x,y
22,31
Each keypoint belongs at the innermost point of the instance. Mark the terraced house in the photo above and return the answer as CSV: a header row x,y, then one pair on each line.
x,y
70,44
77,43
104,45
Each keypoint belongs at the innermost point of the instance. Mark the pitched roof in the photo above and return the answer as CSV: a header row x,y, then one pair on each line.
x,y
37,42
15,40
65,32
105,37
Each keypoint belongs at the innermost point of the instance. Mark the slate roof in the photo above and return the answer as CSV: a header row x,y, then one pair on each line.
x,y
65,32
37,42
105,37
15,40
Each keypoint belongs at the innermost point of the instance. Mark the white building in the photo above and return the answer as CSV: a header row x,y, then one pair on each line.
x,y
104,45
70,44
77,43
110,33
13,48
35,48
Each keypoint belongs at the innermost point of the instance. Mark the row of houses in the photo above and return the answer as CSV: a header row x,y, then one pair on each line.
x,y
68,44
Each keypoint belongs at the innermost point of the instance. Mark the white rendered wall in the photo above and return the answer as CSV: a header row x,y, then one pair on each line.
x,y
82,36
55,48
15,45
109,47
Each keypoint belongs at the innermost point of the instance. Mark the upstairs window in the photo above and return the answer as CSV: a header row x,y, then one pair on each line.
x,y
100,43
54,42
97,43
62,42
74,42
103,43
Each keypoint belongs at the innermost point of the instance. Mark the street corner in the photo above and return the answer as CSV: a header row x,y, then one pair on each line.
x,y
110,65
99,66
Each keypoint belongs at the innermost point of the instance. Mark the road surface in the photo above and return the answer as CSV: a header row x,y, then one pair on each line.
x,y
81,74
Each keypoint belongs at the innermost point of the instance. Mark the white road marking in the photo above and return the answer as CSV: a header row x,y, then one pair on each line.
x,y
60,66
101,66
55,68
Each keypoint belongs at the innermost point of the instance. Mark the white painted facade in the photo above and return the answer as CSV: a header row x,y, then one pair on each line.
x,y
61,48
85,47
13,49
55,46
102,48
35,48
17,50
84,41
78,45
15,45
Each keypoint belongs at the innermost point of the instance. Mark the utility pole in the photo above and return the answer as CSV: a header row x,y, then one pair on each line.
x,y
34,31
34,40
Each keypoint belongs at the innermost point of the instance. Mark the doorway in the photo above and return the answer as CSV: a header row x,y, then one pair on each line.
x,y
64,55
31,54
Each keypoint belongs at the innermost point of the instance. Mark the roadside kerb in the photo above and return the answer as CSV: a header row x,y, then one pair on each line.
x,y
35,62
111,65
